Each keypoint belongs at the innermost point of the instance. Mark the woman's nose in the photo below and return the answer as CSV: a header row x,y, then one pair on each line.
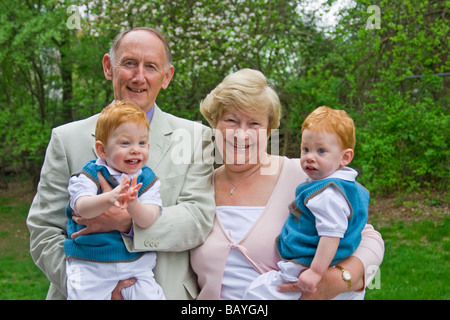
x,y
241,133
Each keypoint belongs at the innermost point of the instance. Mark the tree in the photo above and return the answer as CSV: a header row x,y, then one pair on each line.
x,y
394,84
27,67
384,77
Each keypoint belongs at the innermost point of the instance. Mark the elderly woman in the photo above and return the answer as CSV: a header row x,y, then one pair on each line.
x,y
252,190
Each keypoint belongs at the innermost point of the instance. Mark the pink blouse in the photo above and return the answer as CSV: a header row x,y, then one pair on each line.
x,y
258,245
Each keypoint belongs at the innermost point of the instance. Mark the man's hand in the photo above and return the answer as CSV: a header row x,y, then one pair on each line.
x,y
117,292
113,219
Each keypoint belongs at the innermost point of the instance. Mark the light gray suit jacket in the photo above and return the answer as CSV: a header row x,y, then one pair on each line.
x,y
180,155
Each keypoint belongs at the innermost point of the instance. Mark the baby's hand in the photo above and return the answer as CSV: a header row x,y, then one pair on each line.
x,y
308,281
133,190
119,192
130,193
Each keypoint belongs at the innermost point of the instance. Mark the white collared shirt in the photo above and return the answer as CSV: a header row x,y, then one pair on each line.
x,y
330,208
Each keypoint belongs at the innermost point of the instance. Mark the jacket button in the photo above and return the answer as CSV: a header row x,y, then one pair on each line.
x,y
147,243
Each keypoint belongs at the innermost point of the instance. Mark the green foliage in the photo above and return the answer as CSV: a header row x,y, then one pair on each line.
x,y
51,74
404,118
391,82
405,146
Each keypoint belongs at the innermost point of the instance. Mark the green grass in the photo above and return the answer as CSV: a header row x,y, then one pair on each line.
x,y
20,279
415,266
416,263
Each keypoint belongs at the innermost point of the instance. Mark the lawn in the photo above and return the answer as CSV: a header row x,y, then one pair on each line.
x,y
416,263
415,230
20,279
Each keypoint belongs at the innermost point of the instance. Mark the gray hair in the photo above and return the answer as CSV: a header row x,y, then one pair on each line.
x,y
159,34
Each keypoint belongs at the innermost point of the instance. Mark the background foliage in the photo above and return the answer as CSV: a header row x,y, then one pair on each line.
x,y
394,81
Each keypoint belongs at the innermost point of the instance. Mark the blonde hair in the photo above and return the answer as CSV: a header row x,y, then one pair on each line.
x,y
247,91
335,121
115,114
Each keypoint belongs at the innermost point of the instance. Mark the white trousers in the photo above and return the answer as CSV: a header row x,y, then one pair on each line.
x,y
87,280
265,286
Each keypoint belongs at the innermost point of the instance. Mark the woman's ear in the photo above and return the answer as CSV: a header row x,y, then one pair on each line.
x,y
100,149
347,157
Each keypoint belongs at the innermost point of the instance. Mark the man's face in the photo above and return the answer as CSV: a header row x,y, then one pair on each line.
x,y
139,70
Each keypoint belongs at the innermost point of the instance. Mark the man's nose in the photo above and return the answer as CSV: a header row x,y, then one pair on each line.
x,y
139,73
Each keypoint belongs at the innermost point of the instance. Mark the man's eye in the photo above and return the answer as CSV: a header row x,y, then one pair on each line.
x,y
130,64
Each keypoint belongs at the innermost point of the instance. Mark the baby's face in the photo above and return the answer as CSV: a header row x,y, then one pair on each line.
x,y
127,148
321,153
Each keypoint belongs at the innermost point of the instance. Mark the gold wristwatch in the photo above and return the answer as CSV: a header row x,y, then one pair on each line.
x,y
346,276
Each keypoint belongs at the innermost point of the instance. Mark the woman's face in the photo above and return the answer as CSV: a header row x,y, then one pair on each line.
x,y
242,138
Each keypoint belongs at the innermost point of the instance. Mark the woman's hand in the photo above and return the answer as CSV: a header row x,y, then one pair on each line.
x,y
112,219
332,283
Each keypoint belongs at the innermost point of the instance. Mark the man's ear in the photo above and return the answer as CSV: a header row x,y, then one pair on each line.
x,y
347,157
100,149
107,66
168,77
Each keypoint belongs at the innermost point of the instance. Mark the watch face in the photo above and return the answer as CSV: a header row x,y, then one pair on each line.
x,y
346,275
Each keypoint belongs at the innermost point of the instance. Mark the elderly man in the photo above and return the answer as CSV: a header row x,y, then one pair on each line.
x,y
139,66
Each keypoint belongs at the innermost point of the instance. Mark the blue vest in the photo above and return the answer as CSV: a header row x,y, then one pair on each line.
x,y
298,239
102,247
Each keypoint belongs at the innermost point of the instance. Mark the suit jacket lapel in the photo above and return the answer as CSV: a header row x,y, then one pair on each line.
x,y
159,137
93,145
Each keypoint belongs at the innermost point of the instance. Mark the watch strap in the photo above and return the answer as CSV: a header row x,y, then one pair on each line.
x,y
348,280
